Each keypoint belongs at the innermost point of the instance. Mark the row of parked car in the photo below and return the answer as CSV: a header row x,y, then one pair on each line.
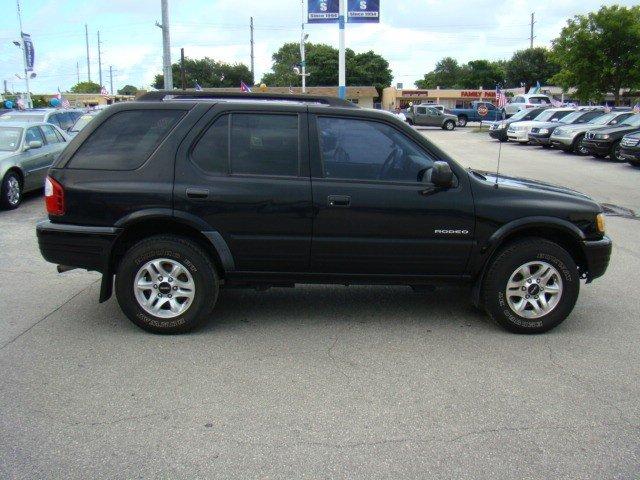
x,y
593,131
30,141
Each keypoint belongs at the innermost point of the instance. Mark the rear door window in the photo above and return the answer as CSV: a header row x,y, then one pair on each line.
x,y
264,144
125,140
33,135
211,153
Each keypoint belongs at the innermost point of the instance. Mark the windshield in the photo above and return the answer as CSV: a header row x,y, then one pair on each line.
x,y
545,116
572,117
519,115
18,117
10,138
603,119
633,121
81,123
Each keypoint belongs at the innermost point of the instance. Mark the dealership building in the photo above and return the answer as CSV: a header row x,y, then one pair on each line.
x,y
393,97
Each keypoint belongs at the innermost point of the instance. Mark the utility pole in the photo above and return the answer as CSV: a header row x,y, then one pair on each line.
x,y
252,57
342,70
5,88
183,79
86,36
78,71
99,61
111,79
166,46
24,57
533,21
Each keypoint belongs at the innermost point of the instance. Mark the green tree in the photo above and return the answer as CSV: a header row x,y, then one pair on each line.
x,y
445,75
366,68
128,90
530,66
208,73
598,53
86,87
482,73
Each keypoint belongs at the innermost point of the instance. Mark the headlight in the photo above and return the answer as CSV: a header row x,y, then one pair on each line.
x,y
543,131
600,222
559,131
602,136
501,126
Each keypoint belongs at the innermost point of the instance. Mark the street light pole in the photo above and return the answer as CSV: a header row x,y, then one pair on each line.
x,y
24,57
166,46
303,62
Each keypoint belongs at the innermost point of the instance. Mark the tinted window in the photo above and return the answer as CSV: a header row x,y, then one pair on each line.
x,y
50,134
55,119
125,140
364,150
211,153
264,144
432,111
66,120
590,116
421,110
33,135
560,114
518,100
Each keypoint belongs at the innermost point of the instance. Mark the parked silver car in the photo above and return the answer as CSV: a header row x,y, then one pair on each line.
x,y
27,150
61,118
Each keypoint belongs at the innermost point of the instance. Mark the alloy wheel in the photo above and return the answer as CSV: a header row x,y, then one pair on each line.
x,y
164,288
534,289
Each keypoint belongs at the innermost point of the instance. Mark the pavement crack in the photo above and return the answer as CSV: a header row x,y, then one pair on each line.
x,y
6,344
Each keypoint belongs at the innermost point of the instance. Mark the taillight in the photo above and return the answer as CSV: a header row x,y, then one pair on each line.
x,y
53,197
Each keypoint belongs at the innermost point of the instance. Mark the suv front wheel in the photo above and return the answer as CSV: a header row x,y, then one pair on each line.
x,y
531,286
167,284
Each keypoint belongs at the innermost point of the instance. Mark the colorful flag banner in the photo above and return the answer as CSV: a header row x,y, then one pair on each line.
x,y
29,52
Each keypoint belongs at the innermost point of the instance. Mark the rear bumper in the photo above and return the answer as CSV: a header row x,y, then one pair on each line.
x,y
598,253
595,147
76,245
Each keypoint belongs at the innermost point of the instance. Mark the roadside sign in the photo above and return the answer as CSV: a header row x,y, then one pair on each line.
x,y
483,110
363,11
322,11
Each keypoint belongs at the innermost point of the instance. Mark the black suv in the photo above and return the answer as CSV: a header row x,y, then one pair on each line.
x,y
605,141
178,195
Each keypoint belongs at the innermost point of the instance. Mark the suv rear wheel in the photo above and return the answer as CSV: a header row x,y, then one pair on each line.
x,y
531,286
462,121
449,125
167,284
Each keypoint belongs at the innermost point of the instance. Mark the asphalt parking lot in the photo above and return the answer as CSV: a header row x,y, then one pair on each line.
x,y
326,382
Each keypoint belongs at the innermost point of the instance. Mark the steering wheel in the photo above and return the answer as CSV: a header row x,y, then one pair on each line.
x,y
394,157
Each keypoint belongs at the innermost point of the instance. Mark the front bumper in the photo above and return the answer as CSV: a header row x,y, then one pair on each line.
x,y
563,143
500,134
76,245
539,139
518,135
599,147
597,253
631,154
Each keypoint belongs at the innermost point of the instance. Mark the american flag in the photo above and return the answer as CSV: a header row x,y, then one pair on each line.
x,y
244,87
501,98
103,92
198,87
64,103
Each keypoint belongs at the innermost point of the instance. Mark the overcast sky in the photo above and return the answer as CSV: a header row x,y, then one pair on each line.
x,y
412,35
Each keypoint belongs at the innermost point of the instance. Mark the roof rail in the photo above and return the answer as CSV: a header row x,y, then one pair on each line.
x,y
162,95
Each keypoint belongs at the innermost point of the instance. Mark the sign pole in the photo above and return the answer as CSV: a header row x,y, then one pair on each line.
x,y
342,71
24,57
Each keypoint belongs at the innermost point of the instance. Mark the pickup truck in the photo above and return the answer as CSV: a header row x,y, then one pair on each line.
x,y
430,116
471,114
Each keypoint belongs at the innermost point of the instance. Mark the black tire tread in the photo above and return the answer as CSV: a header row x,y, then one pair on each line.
x,y
4,202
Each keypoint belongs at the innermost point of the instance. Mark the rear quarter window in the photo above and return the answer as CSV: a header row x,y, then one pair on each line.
x,y
125,140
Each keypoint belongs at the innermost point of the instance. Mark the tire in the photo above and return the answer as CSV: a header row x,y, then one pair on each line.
x,y
599,155
577,147
540,254
462,121
546,146
449,125
11,191
198,276
615,153
409,121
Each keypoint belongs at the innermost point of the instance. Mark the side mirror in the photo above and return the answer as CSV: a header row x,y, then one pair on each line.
x,y
440,175
34,144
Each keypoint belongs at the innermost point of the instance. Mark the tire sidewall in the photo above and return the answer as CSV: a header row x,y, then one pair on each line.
x,y
495,296
204,277
449,125
4,187
462,121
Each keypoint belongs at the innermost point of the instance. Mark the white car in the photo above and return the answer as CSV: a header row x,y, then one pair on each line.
x,y
522,102
519,131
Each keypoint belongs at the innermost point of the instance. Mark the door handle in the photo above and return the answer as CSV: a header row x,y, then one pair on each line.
x,y
339,200
197,192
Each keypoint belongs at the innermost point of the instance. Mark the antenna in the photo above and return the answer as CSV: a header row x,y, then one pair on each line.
x,y
495,185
